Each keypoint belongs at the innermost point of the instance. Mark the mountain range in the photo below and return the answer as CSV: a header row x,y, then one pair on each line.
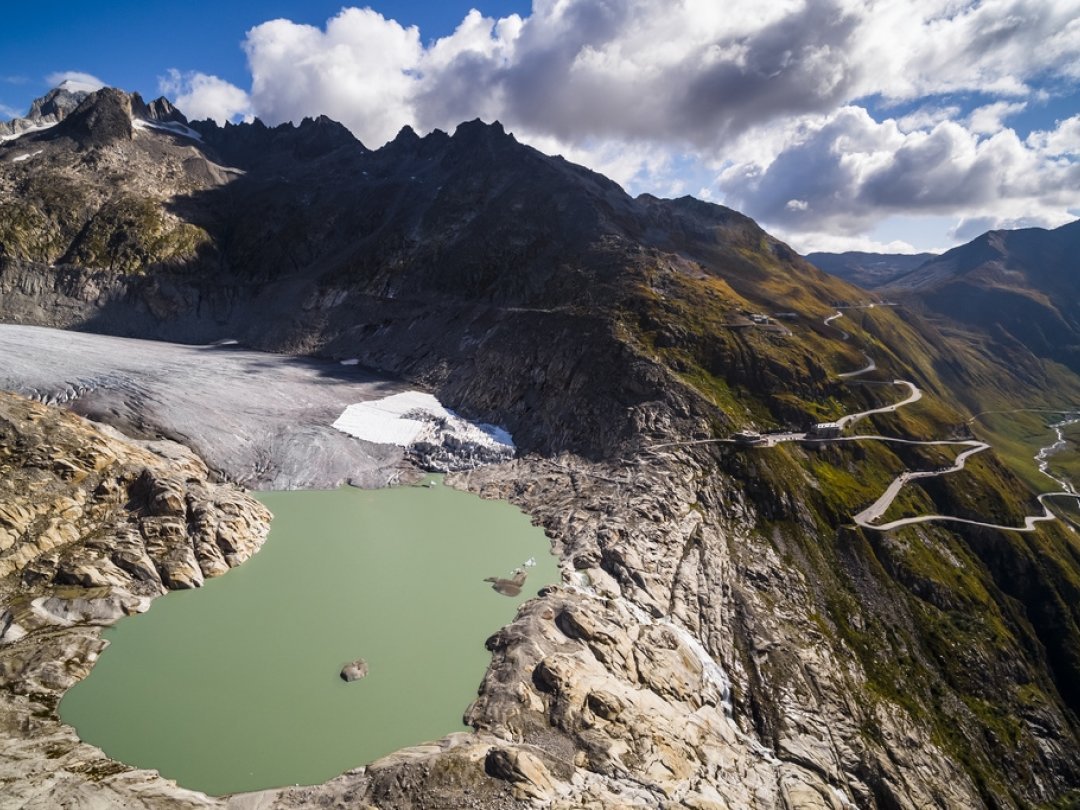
x,y
622,340
868,270
1019,286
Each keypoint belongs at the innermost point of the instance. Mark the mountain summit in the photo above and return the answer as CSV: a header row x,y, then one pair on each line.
x,y
46,111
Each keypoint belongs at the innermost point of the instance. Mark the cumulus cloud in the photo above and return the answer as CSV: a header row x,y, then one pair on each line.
x,y
201,96
832,243
692,71
75,80
1063,141
990,118
360,70
928,116
851,171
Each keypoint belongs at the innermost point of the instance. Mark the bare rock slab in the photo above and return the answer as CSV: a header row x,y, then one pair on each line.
x,y
354,670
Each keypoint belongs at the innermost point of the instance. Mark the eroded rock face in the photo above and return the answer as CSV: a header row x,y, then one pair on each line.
x,y
93,527
615,690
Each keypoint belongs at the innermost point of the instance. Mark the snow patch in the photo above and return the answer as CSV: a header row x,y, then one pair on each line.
x,y
27,156
27,131
440,439
352,361
174,127
82,84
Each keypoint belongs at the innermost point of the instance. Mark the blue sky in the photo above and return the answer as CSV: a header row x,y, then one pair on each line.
x,y
130,44
838,124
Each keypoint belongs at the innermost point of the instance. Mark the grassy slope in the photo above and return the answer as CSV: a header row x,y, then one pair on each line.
x,y
976,633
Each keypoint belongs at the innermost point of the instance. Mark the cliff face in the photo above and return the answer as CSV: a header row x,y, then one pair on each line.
x,y
923,667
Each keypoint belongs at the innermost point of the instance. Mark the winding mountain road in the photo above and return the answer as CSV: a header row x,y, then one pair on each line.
x,y
867,517
870,366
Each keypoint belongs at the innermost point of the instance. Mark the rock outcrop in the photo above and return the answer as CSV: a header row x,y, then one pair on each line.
x,y
93,527
354,670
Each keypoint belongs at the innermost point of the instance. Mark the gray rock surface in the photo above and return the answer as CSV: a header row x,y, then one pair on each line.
x,y
93,527
354,670
600,693
50,109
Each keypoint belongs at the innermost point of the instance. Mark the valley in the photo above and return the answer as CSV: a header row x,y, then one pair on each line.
x,y
822,621
869,517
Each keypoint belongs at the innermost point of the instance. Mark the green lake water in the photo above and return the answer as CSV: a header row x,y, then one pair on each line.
x,y
236,686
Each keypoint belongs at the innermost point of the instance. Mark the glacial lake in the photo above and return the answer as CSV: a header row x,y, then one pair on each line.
x,y
236,687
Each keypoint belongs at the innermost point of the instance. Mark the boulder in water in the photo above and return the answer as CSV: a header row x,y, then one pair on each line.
x,y
354,670
508,587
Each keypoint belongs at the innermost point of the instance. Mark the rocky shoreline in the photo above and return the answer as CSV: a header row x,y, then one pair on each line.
x,y
600,693
93,527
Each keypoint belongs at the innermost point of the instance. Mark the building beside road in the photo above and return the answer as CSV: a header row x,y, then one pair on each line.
x,y
825,430
747,437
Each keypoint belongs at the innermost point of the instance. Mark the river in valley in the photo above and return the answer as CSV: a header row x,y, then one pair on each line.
x,y
236,686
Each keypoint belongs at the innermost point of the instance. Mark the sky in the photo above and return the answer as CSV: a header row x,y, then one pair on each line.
x,y
890,125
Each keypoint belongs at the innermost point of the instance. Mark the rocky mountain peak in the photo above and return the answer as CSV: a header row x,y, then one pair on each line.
x,y
323,134
406,137
160,109
254,143
103,117
58,102
477,132
45,111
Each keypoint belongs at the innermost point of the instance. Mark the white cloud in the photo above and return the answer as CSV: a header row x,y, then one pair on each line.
x,y
852,172
917,48
967,228
701,74
200,96
686,71
989,119
75,80
628,164
928,117
1061,141
360,70
829,243
9,112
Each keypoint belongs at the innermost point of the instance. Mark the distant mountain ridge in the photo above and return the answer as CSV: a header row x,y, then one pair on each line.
x,y
46,111
1022,284
868,270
